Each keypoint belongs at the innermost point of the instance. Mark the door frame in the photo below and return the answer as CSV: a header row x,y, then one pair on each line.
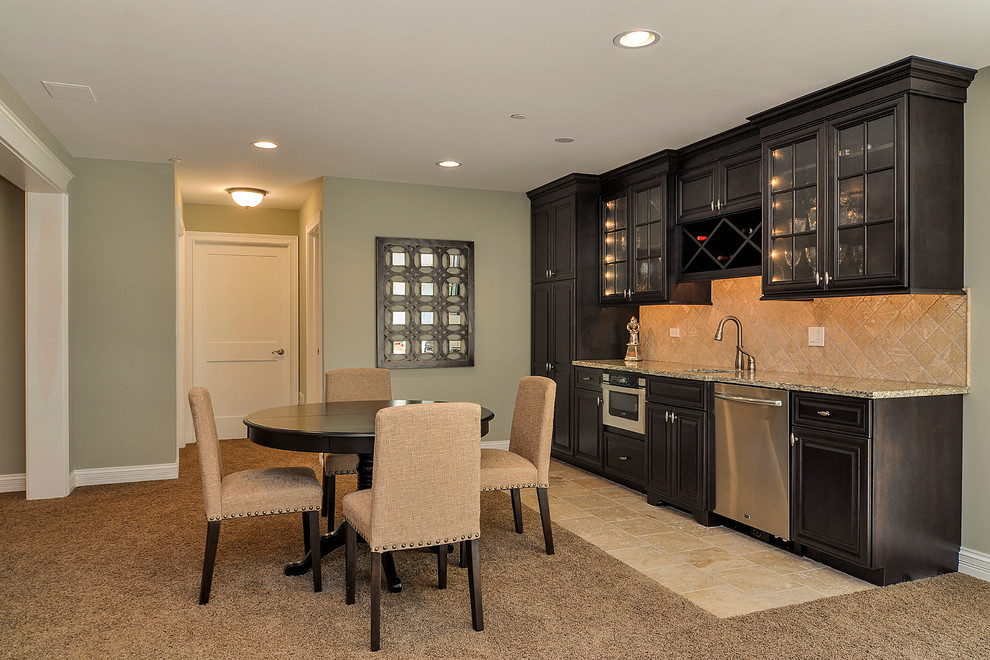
x,y
314,310
192,239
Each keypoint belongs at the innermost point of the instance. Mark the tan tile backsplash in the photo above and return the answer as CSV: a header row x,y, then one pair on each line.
x,y
917,338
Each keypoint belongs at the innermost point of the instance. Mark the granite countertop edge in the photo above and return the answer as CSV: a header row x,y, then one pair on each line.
x,y
840,385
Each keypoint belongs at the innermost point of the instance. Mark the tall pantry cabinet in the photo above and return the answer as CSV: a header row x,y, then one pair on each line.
x,y
567,323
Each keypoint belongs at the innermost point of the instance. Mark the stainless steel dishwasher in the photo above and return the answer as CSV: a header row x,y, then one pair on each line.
x,y
752,474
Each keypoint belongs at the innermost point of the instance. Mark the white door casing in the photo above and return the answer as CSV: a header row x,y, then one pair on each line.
x,y
314,309
243,317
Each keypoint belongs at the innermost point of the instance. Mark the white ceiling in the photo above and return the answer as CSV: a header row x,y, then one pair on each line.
x,y
384,89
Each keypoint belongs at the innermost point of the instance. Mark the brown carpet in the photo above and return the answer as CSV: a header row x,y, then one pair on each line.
x,y
113,571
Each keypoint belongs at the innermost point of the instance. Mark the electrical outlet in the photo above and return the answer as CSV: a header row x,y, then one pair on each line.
x,y
816,336
675,332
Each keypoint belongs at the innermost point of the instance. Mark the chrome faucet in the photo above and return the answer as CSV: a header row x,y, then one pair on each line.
x,y
751,361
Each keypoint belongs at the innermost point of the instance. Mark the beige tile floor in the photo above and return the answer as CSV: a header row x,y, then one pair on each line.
x,y
718,569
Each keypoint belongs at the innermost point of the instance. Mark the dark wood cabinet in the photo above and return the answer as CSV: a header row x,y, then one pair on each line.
x,y
863,185
587,422
554,241
636,236
876,484
677,432
721,187
625,458
567,322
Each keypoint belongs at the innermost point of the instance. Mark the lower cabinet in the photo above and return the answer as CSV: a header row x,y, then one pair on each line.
x,y
677,433
588,427
625,458
876,484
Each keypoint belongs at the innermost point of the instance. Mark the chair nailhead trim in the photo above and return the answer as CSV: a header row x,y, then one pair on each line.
x,y
414,544
251,514
517,486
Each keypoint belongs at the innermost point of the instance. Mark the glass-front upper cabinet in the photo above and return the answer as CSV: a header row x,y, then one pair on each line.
x,y
865,174
793,247
634,243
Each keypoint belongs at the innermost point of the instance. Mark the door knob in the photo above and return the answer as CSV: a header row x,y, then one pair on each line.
x,y
280,351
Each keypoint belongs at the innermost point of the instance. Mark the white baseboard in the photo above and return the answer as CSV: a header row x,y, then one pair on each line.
x,y
972,562
120,475
11,483
495,444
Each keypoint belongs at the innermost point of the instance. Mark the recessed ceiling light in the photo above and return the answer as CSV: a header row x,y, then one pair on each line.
x,y
449,163
517,116
265,144
563,140
636,38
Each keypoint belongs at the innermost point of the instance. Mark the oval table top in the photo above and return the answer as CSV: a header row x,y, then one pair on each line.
x,y
346,427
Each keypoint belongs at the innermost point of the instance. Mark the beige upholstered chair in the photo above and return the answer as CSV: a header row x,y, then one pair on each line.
x,y
527,462
248,493
424,493
360,384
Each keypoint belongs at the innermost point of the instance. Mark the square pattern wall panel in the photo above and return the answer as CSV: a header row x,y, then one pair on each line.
x,y
425,299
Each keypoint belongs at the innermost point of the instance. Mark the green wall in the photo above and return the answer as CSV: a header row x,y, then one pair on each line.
x,y
976,406
355,212
12,394
233,219
121,314
310,209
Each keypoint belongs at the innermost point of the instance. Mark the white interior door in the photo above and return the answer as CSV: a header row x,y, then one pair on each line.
x,y
244,324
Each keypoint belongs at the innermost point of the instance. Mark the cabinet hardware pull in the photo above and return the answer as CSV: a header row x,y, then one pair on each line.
x,y
550,272
827,278
666,415
818,278
793,439
599,401
623,458
585,377
712,207
824,413
673,417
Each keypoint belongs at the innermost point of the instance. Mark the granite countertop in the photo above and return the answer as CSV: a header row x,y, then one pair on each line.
x,y
867,388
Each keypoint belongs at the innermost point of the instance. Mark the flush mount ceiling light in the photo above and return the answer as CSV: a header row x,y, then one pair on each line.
x,y
264,144
449,163
247,197
636,38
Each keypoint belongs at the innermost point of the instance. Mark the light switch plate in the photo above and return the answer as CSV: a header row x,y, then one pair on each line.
x,y
675,332
816,336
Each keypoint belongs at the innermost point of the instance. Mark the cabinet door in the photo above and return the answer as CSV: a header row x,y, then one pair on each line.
x,y
562,240
741,182
792,246
540,340
696,193
561,353
588,426
615,239
648,243
625,458
689,460
660,451
830,494
866,172
541,243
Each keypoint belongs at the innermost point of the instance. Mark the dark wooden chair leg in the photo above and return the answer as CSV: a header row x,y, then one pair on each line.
x,y
517,510
376,600
209,559
441,566
463,554
330,500
350,561
474,584
307,542
541,495
311,519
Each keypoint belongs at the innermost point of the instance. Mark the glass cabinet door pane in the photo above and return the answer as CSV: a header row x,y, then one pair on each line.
x,y
642,275
783,172
642,241
880,242
620,213
851,251
656,203
620,246
850,154
880,143
851,203
656,239
806,163
880,196
783,211
620,279
805,210
782,260
805,257
656,274
610,280
642,207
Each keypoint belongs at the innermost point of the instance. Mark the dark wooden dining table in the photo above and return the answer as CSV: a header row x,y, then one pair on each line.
x,y
345,427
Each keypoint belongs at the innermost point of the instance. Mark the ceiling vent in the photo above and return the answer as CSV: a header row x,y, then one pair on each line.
x,y
69,92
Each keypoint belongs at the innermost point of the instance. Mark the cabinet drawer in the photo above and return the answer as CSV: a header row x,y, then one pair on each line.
x,y
588,379
831,412
626,457
686,393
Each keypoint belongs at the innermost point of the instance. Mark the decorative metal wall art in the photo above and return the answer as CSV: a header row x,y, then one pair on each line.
x,y
425,298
